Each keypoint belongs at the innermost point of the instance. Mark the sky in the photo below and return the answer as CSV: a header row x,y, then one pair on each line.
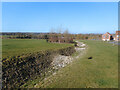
x,y
77,17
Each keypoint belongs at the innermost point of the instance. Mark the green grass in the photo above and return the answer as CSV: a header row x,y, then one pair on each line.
x,y
99,72
5,36
13,47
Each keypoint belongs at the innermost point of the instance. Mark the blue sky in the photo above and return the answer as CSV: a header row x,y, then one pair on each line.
x,y
77,17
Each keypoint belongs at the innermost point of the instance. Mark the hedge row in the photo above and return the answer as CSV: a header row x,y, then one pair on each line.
x,y
18,69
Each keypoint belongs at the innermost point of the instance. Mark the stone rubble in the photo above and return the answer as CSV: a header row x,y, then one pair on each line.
x,y
60,61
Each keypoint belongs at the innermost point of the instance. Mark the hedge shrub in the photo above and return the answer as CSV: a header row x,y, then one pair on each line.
x,y
19,69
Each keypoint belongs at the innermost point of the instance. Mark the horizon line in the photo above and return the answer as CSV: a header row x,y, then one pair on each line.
x,y
54,32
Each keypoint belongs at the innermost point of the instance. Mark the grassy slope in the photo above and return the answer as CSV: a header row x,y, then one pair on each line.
x,y
99,72
12,47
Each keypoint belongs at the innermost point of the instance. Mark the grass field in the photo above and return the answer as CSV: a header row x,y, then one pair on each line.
x,y
13,47
99,72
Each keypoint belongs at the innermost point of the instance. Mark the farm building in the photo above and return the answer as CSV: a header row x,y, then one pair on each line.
x,y
117,36
60,39
107,37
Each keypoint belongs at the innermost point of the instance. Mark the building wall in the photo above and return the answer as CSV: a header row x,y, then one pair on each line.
x,y
106,37
117,36
60,40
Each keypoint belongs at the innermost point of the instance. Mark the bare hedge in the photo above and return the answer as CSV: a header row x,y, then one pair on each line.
x,y
19,69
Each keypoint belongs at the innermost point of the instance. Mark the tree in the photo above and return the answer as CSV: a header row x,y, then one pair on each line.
x,y
46,36
86,37
66,33
52,30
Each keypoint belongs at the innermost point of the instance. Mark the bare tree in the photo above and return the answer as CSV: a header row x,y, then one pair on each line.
x,y
52,30
59,29
66,33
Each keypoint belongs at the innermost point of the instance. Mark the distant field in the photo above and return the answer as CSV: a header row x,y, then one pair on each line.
x,y
12,47
99,72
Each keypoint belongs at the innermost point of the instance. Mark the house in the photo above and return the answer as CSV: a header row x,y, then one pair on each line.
x,y
113,35
117,36
107,37
60,39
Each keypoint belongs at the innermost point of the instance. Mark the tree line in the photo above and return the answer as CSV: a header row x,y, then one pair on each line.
x,y
47,35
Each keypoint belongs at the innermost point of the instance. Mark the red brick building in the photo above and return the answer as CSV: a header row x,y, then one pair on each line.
x,y
60,39
117,36
107,37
